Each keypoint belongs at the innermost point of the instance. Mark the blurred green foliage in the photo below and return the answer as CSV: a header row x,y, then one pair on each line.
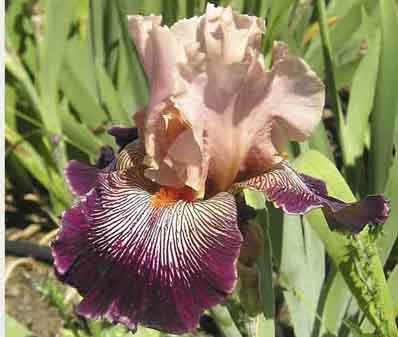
x,y
72,71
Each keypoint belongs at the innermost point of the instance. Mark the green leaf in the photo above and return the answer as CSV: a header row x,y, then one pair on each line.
x,y
361,100
346,35
14,65
82,98
303,276
15,329
392,283
79,135
386,239
265,321
151,7
132,81
59,15
224,321
345,74
97,26
356,257
28,156
17,175
10,100
264,327
278,14
333,308
384,115
111,98
319,141
330,72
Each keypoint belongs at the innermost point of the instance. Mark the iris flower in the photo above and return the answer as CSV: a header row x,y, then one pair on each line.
x,y
153,238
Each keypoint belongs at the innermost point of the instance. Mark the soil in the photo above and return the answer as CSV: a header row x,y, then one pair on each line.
x,y
26,304
23,299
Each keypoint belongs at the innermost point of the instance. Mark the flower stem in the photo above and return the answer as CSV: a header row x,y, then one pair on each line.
x,y
224,321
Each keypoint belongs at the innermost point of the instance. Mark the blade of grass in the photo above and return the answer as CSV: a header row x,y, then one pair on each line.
x,y
387,238
333,308
265,320
356,257
392,283
343,31
169,11
384,116
10,101
14,65
303,275
79,135
361,100
330,75
59,16
319,141
15,329
111,97
97,26
82,98
224,321
277,11
133,82
28,156
264,327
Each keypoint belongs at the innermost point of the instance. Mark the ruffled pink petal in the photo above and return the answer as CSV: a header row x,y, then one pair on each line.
x,y
298,193
234,116
137,263
296,96
160,52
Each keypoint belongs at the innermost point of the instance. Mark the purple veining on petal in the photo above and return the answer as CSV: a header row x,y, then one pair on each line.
x,y
123,135
298,193
80,177
134,263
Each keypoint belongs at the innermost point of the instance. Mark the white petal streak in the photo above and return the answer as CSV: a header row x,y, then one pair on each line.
x,y
165,243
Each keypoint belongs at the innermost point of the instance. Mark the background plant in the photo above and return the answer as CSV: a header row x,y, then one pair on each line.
x,y
72,71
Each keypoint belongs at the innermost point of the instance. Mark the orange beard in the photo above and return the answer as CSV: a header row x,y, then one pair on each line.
x,y
167,196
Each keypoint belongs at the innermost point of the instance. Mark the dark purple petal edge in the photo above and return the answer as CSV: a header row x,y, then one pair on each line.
x,y
123,135
299,193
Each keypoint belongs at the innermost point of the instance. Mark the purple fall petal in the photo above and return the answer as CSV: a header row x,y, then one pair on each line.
x,y
106,157
80,177
354,216
298,193
137,263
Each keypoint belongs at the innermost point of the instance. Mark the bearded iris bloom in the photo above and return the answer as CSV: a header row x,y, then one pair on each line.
x,y
153,238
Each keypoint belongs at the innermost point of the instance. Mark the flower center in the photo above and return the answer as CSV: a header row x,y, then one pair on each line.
x,y
170,195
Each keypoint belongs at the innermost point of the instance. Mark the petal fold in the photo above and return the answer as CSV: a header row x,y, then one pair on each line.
x,y
298,193
137,263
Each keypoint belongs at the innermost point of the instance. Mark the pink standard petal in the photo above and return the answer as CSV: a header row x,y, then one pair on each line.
x,y
211,72
244,114
297,95
135,263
